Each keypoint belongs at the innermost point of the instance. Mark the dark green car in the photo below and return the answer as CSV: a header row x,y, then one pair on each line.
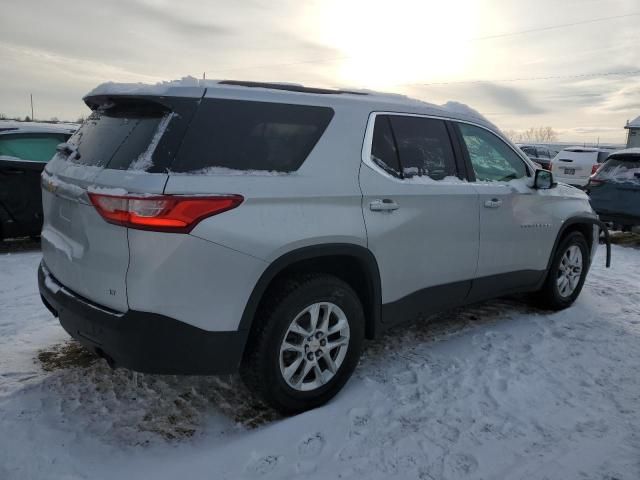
x,y
614,190
25,148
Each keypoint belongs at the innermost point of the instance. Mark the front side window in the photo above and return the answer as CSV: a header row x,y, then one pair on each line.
x,y
36,147
408,147
492,159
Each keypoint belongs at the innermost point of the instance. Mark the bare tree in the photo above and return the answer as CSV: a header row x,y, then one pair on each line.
x,y
3,116
533,135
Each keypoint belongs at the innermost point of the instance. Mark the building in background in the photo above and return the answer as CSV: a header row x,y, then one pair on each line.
x,y
633,134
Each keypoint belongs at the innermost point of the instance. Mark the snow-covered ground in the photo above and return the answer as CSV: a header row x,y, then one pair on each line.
x,y
494,391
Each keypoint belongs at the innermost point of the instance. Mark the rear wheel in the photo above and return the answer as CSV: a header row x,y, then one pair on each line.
x,y
567,273
307,342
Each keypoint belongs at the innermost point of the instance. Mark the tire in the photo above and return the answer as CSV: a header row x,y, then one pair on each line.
x,y
291,304
551,295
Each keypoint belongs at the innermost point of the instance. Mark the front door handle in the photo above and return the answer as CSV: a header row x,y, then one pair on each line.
x,y
493,203
385,205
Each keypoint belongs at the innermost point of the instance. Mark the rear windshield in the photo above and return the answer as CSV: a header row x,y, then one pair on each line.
x,y
627,171
121,138
36,147
247,135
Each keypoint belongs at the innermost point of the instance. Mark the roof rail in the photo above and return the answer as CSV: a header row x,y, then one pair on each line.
x,y
288,87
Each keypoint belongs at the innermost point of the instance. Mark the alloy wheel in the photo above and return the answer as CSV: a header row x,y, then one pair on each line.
x,y
314,346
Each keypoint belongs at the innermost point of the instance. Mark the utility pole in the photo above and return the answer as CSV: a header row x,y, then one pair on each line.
x,y
204,75
31,95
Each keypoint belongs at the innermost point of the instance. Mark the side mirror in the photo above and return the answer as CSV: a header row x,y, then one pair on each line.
x,y
543,180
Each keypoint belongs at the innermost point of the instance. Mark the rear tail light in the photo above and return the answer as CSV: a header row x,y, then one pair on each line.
x,y
595,168
164,213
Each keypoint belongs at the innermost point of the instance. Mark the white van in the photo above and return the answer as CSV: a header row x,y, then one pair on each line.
x,y
574,165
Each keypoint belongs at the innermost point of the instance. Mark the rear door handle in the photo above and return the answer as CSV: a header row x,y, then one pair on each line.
x,y
385,205
493,203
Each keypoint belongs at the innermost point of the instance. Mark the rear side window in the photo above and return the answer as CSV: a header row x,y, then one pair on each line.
x,y
602,156
618,170
383,147
492,159
36,147
118,138
424,147
246,135
409,147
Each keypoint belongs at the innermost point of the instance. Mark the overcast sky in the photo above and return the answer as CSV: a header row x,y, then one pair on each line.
x,y
480,52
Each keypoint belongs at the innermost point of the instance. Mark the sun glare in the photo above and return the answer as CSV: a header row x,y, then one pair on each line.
x,y
398,41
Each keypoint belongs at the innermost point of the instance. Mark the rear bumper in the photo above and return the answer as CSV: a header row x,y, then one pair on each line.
x,y
141,341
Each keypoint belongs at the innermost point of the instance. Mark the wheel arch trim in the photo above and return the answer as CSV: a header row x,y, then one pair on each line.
x,y
360,253
584,220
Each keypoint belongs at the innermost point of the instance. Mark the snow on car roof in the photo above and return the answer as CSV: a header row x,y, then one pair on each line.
x,y
13,126
193,87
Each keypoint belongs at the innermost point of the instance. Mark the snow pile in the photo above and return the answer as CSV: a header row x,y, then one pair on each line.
x,y
113,191
498,390
115,88
463,109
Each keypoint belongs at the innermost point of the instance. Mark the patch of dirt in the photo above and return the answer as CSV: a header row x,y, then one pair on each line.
x,y
138,409
627,239
16,245
66,355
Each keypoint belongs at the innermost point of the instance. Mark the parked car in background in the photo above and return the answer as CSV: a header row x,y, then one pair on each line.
x,y
574,165
614,190
25,148
247,226
540,154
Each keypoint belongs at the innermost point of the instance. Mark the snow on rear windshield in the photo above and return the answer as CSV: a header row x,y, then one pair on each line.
x,y
626,171
117,140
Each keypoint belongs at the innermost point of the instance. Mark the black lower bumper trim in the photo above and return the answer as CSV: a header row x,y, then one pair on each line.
x,y
142,341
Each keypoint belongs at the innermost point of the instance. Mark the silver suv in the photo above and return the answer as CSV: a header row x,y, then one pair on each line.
x,y
212,227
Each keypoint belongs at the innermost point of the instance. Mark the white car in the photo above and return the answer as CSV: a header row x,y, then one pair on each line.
x,y
574,165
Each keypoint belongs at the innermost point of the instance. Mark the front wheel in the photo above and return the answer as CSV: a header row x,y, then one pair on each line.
x,y
567,273
306,344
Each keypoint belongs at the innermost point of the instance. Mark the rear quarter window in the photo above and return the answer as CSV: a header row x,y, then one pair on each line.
x,y
36,147
248,135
